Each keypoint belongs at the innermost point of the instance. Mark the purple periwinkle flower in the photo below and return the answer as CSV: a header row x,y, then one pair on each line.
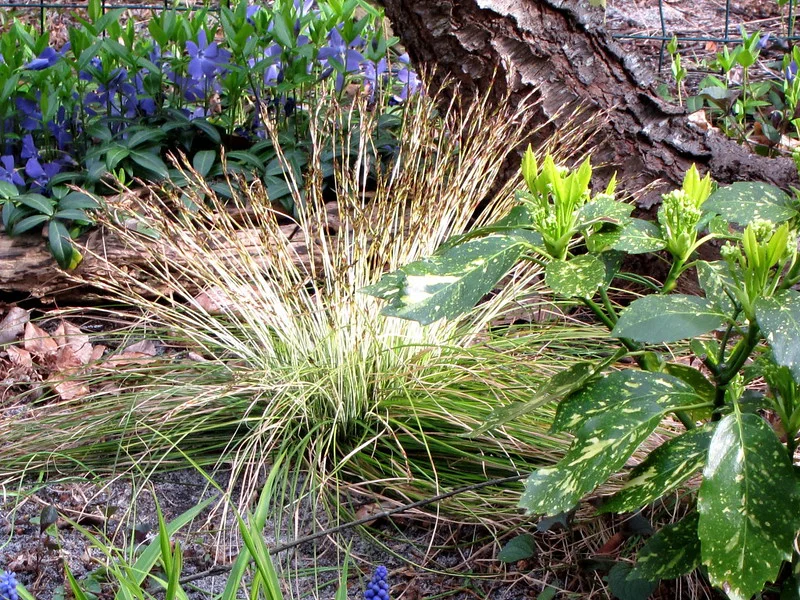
x,y
28,148
790,72
343,57
206,58
40,174
47,58
8,173
374,73
8,586
378,587
29,114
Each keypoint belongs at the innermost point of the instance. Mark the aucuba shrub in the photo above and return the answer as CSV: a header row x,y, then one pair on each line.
x,y
112,101
744,330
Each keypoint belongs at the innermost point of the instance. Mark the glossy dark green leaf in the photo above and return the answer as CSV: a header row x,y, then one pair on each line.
x,y
671,552
749,505
77,200
203,161
27,224
518,548
561,385
662,319
610,419
626,587
579,277
114,155
449,284
37,202
146,136
8,190
58,239
72,214
745,201
150,161
779,320
639,236
664,469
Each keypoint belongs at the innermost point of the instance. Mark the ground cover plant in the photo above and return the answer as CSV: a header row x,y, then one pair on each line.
x,y
112,103
737,401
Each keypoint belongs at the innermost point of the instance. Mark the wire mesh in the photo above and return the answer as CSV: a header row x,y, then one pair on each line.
x,y
662,36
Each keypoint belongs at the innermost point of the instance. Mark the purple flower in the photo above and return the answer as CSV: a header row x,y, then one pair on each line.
x,y
374,73
28,148
378,587
40,174
343,57
8,173
29,114
8,586
790,72
251,11
47,58
96,65
303,6
205,58
407,77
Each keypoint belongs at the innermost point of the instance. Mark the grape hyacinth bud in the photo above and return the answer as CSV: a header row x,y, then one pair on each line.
x,y
378,587
8,586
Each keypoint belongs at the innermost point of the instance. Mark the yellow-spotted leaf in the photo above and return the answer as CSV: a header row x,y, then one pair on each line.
x,y
779,319
610,418
715,279
579,277
640,236
670,553
662,319
749,506
448,284
745,201
664,469
561,385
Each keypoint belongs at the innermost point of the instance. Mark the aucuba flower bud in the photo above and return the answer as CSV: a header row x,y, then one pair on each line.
x,y
8,586
679,216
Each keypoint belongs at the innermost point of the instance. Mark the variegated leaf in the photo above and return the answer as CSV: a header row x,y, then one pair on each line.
x,y
745,201
604,209
613,417
640,236
561,385
779,319
662,319
749,505
579,277
450,283
664,469
656,392
670,553
714,279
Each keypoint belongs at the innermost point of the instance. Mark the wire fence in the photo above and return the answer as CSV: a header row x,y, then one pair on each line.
x,y
661,34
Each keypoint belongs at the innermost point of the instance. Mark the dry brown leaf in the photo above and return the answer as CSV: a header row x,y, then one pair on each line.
x,y
144,347
13,324
67,389
38,342
70,337
97,352
20,357
612,545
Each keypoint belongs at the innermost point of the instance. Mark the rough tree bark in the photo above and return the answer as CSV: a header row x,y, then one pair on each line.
x,y
559,50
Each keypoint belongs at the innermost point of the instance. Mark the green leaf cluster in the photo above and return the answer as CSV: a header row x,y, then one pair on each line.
x,y
745,515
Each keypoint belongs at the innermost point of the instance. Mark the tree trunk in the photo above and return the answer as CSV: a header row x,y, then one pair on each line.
x,y
559,51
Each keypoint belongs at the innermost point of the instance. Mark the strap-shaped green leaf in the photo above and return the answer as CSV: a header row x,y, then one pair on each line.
x,y
579,277
640,236
613,417
664,469
561,385
449,284
662,319
749,505
745,201
670,553
779,319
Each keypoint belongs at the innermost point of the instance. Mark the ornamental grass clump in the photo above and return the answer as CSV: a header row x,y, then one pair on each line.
x,y
290,358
